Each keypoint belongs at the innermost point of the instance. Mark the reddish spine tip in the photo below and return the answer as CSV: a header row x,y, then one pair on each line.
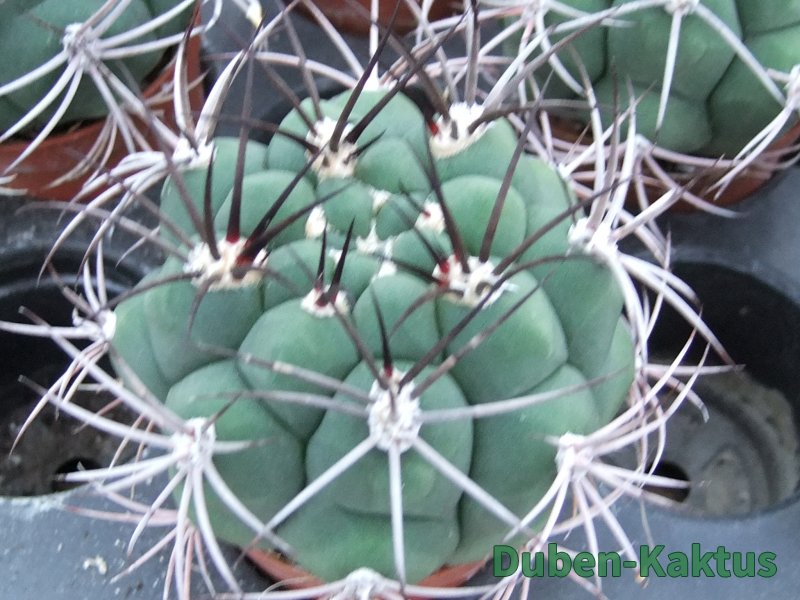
x,y
244,260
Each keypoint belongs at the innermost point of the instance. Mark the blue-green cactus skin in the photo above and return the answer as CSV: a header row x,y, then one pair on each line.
x,y
716,104
567,332
38,27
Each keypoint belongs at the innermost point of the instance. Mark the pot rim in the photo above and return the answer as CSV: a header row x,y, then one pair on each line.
x,y
297,578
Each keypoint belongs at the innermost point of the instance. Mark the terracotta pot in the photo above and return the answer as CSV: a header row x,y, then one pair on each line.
x,y
743,186
62,152
297,578
347,17
747,182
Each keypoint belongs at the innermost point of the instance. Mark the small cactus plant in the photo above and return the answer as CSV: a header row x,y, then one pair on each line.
x,y
75,50
380,343
482,252
95,73
99,75
705,78
700,70
88,29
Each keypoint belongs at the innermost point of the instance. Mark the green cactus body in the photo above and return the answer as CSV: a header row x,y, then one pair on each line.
x,y
10,9
41,29
716,104
554,323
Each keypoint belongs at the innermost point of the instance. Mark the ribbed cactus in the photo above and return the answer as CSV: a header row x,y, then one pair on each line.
x,y
82,51
386,291
703,72
382,342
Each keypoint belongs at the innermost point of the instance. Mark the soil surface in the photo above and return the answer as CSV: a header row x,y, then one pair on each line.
x,y
53,443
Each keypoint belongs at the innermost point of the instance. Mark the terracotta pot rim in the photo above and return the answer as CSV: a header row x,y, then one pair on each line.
x,y
344,15
295,577
744,185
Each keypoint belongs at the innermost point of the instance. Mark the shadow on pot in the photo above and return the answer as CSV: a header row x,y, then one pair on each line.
x,y
746,456
53,443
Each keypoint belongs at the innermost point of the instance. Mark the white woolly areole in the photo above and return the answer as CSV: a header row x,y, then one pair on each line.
x,y
330,163
335,254
573,454
372,243
374,246
196,444
394,416
681,7
386,269
193,157
596,241
379,199
313,304
453,134
82,45
220,272
471,288
431,218
361,584
316,223
102,327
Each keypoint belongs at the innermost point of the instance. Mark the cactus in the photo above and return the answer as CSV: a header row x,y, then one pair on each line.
x,y
92,73
455,246
99,74
52,28
385,340
705,74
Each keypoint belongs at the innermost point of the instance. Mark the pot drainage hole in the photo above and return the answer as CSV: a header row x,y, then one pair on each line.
x,y
52,445
746,456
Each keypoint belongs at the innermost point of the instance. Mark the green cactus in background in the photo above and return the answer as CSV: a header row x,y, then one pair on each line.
x,y
76,55
700,70
379,290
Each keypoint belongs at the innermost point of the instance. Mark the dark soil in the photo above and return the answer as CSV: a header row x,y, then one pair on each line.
x,y
54,443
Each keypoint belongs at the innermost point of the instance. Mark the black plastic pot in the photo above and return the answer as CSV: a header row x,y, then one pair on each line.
x,y
233,33
51,445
